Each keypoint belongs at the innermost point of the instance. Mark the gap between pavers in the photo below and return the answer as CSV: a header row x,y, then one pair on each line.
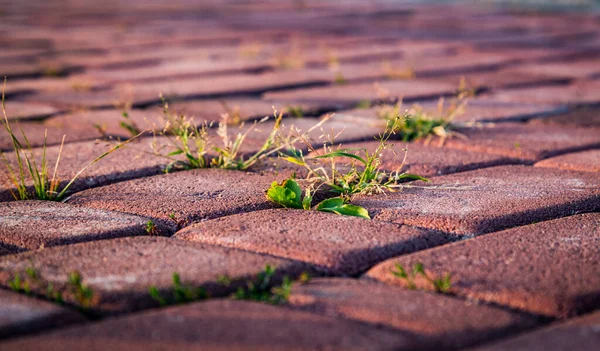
x,y
333,244
439,322
183,197
581,334
21,314
424,160
487,200
31,225
121,271
584,161
219,325
549,268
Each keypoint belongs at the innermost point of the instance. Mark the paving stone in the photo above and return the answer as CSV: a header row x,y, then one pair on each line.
x,y
20,314
488,200
576,334
427,160
573,69
585,161
188,196
476,110
583,92
583,117
128,162
22,110
225,325
30,225
37,132
349,94
120,271
334,244
548,268
438,321
528,143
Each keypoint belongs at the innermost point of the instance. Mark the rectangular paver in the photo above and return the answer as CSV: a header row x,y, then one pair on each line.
x,y
219,325
488,200
549,268
438,321
334,244
121,271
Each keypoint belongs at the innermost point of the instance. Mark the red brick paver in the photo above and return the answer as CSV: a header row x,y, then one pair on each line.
x,y
334,244
438,321
530,268
20,314
120,271
220,325
488,199
578,334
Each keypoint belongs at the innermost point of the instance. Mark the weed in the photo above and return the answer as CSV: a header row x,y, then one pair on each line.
x,y
441,285
193,142
363,104
289,194
83,294
339,78
18,285
295,111
250,50
260,290
130,126
151,228
367,178
181,293
415,123
44,187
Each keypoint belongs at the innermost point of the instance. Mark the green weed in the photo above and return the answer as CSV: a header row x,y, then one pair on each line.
x,y
260,289
415,123
180,293
82,293
441,285
151,228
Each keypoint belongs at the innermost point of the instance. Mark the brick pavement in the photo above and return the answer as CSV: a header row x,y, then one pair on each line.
x,y
511,211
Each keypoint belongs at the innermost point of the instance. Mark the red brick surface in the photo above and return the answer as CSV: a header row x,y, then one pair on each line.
x,y
524,159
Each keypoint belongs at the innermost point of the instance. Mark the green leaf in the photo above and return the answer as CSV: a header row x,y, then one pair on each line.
x,y
288,194
411,176
307,201
295,160
338,206
176,152
342,153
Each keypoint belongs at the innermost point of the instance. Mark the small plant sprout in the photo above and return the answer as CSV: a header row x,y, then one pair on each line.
x,y
82,293
260,289
180,293
295,111
415,123
28,171
151,228
441,285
